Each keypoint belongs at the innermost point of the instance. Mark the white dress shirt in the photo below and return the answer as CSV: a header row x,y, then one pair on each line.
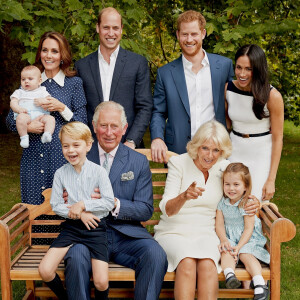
x,y
199,87
111,157
107,71
59,78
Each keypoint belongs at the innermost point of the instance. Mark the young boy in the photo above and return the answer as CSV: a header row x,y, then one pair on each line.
x,y
79,177
26,103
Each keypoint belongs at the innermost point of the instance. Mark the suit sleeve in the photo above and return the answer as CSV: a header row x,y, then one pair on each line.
x,y
230,72
159,114
140,207
143,103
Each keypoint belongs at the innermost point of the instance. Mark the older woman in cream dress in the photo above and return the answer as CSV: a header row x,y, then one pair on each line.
x,y
186,230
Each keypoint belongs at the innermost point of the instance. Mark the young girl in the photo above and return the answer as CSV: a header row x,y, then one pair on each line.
x,y
241,236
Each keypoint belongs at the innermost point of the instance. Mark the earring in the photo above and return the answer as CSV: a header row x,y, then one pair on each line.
x,y
61,62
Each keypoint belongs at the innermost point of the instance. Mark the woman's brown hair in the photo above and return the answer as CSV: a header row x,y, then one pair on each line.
x,y
64,48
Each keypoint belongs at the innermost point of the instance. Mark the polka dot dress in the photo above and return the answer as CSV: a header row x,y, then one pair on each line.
x,y
40,161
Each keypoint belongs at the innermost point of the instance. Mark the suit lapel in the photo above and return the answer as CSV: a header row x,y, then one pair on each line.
x,y
94,65
120,63
119,161
180,83
93,155
215,69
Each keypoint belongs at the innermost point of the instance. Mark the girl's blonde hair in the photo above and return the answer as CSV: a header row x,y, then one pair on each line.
x,y
245,176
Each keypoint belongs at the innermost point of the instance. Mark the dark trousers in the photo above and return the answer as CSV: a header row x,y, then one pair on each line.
x,y
145,256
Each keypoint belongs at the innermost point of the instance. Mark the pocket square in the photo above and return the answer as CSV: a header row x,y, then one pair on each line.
x,y
127,176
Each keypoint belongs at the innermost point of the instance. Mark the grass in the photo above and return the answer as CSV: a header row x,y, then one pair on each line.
x,y
287,198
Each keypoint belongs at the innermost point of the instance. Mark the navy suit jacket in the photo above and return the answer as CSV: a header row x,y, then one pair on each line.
x,y
130,87
171,113
135,195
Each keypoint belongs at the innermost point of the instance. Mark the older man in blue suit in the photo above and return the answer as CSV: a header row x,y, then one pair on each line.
x,y
112,73
129,243
189,91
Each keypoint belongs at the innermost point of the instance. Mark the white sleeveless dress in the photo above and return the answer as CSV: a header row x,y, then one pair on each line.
x,y
254,152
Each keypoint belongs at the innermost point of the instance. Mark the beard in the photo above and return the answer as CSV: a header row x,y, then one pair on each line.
x,y
190,51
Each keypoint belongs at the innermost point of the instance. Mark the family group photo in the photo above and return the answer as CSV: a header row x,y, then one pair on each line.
x,y
149,150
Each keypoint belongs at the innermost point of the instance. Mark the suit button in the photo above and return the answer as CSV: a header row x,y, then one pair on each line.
x,y
189,121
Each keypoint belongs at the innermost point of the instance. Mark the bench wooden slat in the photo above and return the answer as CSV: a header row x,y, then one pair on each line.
x,y
21,242
47,222
19,230
9,216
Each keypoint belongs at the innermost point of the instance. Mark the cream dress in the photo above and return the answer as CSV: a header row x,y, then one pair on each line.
x,y
191,232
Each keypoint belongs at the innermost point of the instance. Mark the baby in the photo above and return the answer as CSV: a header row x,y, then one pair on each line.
x,y
26,103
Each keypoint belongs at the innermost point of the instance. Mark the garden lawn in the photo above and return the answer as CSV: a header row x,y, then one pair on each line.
x,y
287,199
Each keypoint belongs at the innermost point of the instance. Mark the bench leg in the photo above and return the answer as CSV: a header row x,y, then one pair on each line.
x,y
30,287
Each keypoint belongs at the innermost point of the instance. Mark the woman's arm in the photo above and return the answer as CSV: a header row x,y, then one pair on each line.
x,y
276,110
174,205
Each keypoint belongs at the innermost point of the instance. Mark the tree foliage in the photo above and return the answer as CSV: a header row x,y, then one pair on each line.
x,y
149,29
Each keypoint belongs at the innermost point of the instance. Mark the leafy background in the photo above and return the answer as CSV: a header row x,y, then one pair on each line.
x,y
150,29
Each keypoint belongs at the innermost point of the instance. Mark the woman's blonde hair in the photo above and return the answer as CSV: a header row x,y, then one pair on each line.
x,y
245,176
77,131
214,131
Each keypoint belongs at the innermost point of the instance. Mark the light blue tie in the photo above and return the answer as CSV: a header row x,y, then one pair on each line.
x,y
106,163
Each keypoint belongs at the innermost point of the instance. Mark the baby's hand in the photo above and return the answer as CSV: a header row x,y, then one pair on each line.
x,y
225,246
22,110
89,220
40,101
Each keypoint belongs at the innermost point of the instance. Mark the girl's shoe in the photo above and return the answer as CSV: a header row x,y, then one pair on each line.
x,y
232,282
264,295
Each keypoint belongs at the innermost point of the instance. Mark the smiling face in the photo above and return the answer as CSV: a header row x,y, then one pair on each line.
x,y
30,79
208,155
51,57
75,151
109,129
190,38
110,31
243,73
234,186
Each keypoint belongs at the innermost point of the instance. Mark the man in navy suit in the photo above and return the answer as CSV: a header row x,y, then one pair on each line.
x,y
129,243
188,91
112,73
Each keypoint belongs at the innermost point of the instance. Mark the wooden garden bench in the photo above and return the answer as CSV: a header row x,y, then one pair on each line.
x,y
20,259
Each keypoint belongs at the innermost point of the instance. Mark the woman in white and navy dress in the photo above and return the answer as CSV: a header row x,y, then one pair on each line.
x,y
255,112
67,103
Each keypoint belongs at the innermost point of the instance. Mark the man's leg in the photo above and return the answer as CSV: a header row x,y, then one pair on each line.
x,y
78,270
146,257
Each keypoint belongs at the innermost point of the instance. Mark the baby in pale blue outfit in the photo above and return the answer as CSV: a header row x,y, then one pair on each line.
x,y
26,104
240,235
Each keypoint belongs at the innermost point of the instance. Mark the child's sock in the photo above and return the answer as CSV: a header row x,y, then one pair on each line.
x,y
46,137
258,280
101,295
57,287
24,141
228,272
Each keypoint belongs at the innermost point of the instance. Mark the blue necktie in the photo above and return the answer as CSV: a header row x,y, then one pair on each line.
x,y
106,163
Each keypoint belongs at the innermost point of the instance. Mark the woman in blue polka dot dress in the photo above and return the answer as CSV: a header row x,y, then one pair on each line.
x,y
67,103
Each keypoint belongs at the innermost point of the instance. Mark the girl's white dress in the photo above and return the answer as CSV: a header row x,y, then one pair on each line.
x,y
191,232
254,152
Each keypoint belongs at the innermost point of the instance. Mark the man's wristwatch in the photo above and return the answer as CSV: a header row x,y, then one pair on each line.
x,y
131,141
